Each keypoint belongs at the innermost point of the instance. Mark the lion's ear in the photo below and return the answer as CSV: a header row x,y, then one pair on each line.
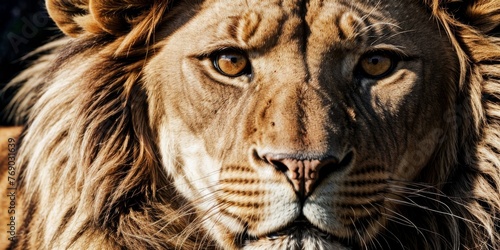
x,y
64,13
115,17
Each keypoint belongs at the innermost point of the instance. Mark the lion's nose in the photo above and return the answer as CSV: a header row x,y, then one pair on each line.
x,y
304,174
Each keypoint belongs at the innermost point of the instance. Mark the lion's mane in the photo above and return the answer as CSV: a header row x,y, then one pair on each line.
x,y
466,210
97,141
90,144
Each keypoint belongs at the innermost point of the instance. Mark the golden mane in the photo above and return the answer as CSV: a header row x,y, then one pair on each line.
x,y
124,167
103,143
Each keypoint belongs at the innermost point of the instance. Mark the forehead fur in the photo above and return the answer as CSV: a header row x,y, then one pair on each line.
x,y
347,25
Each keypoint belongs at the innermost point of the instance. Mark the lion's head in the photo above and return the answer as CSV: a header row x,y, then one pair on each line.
x,y
265,125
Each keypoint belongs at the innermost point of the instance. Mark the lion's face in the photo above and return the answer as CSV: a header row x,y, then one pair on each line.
x,y
295,124
245,124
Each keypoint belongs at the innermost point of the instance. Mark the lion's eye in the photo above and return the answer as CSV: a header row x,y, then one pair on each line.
x,y
376,65
231,63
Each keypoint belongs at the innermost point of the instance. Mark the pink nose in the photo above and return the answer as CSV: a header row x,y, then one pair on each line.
x,y
304,174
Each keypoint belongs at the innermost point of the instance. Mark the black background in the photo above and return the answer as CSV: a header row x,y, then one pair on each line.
x,y
24,26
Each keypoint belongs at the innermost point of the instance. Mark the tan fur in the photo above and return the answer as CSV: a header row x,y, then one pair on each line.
x,y
134,140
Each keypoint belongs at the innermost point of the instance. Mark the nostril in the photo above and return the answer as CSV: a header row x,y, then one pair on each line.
x,y
277,161
332,167
280,166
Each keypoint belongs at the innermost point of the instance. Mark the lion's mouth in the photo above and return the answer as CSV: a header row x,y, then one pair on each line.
x,y
299,229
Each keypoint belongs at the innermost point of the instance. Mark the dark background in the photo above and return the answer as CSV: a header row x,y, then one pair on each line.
x,y
24,26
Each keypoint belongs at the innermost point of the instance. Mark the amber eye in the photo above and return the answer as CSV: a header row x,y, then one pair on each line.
x,y
376,65
231,63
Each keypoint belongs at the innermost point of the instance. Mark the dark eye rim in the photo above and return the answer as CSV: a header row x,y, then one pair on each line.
x,y
215,55
393,56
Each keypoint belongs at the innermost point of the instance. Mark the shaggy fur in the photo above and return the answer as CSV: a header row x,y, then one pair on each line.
x,y
111,160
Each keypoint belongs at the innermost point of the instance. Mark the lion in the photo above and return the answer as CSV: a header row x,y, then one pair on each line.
x,y
231,124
